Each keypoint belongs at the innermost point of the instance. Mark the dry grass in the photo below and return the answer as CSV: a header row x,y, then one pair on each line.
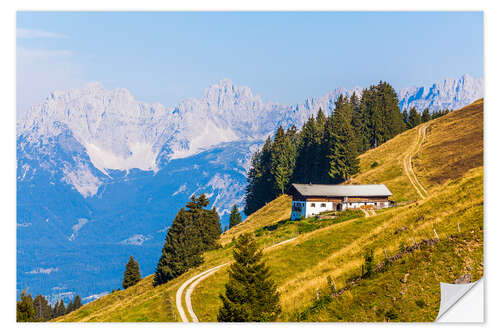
x,y
277,210
390,168
454,143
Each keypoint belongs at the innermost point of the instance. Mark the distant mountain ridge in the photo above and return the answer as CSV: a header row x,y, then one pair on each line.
x,y
101,173
450,94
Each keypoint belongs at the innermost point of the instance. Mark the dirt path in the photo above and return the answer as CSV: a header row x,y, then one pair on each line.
x,y
194,281
368,212
407,165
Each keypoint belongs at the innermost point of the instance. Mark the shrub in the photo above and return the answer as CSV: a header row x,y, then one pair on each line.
x,y
369,264
374,165
420,303
391,315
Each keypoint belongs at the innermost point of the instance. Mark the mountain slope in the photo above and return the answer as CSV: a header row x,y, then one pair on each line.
x,y
322,249
100,175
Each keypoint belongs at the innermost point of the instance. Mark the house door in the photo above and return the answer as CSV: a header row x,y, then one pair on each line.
x,y
339,207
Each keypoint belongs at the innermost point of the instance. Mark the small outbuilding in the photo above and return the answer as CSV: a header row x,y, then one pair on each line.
x,y
312,199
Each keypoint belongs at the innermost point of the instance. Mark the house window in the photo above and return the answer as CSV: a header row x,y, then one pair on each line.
x,y
323,205
313,205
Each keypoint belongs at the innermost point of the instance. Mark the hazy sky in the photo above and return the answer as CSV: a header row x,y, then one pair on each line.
x,y
284,57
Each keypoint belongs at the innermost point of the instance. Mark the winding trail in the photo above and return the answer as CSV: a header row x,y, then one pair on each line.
x,y
194,281
407,165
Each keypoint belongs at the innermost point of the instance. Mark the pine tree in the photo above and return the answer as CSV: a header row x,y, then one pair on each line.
x,y
25,311
405,118
234,217
193,231
182,249
77,302
414,118
43,310
260,185
132,274
70,307
251,295
60,309
340,138
306,151
282,161
426,115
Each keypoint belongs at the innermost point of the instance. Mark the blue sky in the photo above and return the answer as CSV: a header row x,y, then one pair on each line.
x,y
284,57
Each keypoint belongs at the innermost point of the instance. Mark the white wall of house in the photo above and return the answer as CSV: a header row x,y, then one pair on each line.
x,y
303,209
317,207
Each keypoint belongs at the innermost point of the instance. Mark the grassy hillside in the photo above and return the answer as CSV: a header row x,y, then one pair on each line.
x,y
335,248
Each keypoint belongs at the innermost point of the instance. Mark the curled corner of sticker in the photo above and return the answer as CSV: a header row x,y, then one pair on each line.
x,y
451,294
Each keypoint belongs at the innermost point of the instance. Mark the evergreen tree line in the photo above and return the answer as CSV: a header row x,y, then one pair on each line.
x,y
194,230
39,309
413,118
326,149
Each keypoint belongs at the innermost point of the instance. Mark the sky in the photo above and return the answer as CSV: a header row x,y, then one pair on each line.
x,y
284,57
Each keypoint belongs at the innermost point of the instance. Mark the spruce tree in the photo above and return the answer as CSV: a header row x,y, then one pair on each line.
x,y
340,137
234,217
194,230
77,302
414,118
405,118
251,295
259,190
43,310
282,161
182,249
25,311
132,273
60,309
70,307
426,115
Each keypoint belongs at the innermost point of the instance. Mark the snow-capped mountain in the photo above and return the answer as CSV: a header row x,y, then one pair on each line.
x,y
450,94
100,176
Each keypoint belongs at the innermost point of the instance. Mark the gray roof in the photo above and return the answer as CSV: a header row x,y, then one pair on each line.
x,y
342,190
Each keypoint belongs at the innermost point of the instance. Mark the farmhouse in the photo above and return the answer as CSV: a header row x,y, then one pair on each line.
x,y
312,199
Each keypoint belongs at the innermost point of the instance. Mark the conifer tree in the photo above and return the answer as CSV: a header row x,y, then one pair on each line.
x,y
61,309
25,311
306,153
182,249
193,231
251,295
132,273
70,307
405,118
260,185
343,154
77,302
426,115
234,217
282,161
43,310
414,118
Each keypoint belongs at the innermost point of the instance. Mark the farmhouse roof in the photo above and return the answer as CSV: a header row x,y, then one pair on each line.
x,y
342,190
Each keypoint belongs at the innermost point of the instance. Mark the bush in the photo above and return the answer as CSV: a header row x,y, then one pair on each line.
x,y
374,165
420,303
402,246
391,315
369,264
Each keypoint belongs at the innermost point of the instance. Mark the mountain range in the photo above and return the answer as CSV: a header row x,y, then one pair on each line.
x,y
100,176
